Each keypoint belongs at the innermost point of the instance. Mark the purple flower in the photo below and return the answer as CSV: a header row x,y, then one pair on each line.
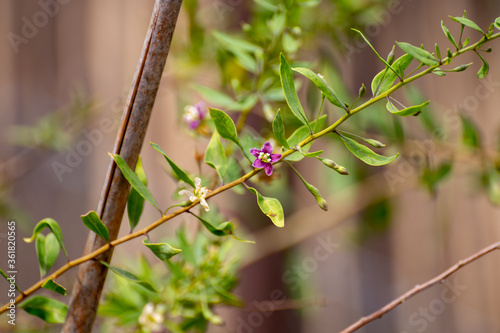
x,y
265,158
193,115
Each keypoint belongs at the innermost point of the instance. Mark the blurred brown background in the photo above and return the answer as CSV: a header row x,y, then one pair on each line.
x,y
90,48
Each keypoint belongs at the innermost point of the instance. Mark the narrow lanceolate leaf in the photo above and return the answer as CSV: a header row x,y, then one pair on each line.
x,y
48,309
497,23
270,207
135,203
93,222
214,96
384,80
179,173
215,155
448,35
468,23
53,226
223,229
129,276
47,250
366,154
9,281
411,111
320,82
54,286
162,250
291,96
279,130
421,55
134,181
470,133
483,71
224,125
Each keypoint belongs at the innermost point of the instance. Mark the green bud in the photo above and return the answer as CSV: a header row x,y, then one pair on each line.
x,y
488,50
342,170
296,31
448,53
390,57
362,90
332,165
466,42
314,191
375,143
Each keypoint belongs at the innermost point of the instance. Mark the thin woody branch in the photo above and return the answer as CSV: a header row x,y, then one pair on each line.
x,y
421,287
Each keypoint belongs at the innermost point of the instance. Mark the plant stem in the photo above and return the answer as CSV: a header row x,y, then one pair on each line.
x,y
311,138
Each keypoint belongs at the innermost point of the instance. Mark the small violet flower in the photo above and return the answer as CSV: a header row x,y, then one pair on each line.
x,y
194,115
265,157
151,317
199,193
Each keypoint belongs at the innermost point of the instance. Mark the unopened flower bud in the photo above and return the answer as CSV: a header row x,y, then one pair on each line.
x,y
321,201
362,90
375,143
390,57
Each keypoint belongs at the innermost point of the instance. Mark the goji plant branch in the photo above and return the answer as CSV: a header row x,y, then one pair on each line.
x,y
420,287
245,177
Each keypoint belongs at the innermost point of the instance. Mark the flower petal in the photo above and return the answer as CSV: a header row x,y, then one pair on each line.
x,y
268,168
275,157
255,152
267,148
204,203
258,164
197,182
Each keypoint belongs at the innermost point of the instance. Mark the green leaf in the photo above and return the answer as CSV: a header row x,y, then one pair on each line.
x,y
47,250
7,278
291,96
180,174
233,43
468,23
483,71
52,285
134,181
223,229
470,133
431,178
135,203
93,222
224,125
53,226
48,309
438,51
162,250
421,55
215,155
410,111
366,154
129,276
270,207
497,23
213,96
279,130
384,80
320,82
448,35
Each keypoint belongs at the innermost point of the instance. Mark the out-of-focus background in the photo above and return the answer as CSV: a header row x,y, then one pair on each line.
x,y
66,69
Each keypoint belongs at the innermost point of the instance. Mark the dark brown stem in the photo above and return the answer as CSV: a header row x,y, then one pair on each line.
x,y
420,287
91,274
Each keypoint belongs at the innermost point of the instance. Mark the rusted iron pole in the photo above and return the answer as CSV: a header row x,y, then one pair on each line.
x,y
91,275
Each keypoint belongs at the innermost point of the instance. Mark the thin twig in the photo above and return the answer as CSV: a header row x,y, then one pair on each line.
x,y
420,287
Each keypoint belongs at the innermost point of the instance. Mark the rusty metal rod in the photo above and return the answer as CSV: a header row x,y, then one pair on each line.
x,y
91,275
